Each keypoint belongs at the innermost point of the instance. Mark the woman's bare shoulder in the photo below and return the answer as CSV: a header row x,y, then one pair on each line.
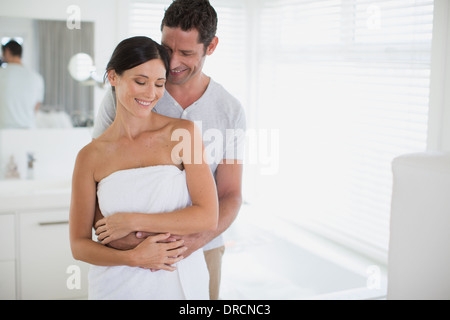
x,y
183,124
89,154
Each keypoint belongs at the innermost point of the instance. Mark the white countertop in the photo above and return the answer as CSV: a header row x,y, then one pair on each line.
x,y
33,195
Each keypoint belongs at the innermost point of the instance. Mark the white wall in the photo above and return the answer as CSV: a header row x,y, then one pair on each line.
x,y
55,151
439,116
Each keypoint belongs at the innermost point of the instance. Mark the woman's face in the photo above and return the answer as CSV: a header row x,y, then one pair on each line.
x,y
138,89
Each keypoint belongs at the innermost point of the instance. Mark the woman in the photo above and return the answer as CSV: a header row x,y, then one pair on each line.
x,y
144,182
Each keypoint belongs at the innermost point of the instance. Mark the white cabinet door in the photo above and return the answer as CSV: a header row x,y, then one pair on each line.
x,y
47,269
7,257
7,237
7,280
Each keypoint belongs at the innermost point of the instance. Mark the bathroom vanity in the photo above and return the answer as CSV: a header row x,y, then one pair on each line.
x,y
35,257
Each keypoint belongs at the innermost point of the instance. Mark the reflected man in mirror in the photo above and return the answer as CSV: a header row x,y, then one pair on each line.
x,y
21,89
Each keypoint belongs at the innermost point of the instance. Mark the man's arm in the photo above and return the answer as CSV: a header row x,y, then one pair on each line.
x,y
229,191
106,113
229,185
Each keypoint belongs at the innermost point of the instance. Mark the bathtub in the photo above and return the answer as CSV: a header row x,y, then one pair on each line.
x,y
268,259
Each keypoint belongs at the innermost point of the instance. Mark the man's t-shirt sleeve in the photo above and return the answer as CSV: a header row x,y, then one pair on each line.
x,y
235,138
106,114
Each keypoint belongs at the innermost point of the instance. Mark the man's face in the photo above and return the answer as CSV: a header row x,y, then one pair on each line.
x,y
187,55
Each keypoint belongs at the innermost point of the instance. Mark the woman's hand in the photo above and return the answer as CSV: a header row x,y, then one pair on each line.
x,y
155,253
113,227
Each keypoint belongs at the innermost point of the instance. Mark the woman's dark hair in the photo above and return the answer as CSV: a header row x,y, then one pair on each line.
x,y
192,14
134,51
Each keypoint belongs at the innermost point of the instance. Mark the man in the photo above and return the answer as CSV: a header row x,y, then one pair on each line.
x,y
21,90
188,33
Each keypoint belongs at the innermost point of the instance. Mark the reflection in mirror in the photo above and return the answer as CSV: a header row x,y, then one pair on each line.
x,y
21,88
48,47
57,45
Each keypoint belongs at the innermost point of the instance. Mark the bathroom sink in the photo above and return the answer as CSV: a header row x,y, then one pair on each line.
x,y
14,188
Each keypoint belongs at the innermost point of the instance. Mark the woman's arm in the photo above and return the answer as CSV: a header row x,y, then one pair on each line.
x,y
150,254
202,215
82,211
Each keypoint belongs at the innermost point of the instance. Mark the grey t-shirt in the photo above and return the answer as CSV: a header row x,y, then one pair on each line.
x,y
21,89
219,116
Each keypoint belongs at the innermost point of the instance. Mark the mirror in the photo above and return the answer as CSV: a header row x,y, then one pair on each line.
x,y
53,50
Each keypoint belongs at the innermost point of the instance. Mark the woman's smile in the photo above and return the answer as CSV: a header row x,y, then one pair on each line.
x,y
143,102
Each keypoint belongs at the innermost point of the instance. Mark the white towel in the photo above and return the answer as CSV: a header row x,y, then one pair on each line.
x,y
153,189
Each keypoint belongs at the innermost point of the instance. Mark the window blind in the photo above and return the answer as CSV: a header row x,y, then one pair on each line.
x,y
227,65
347,83
145,18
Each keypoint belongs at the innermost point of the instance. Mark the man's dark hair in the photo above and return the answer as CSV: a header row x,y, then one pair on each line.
x,y
14,48
192,14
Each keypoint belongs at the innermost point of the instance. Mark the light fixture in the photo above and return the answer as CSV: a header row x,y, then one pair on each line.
x,y
81,68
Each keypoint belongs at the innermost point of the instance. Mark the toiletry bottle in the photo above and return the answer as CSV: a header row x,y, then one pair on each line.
x,y
30,167
11,169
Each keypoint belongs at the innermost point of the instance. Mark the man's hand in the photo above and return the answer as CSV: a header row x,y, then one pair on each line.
x,y
157,253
